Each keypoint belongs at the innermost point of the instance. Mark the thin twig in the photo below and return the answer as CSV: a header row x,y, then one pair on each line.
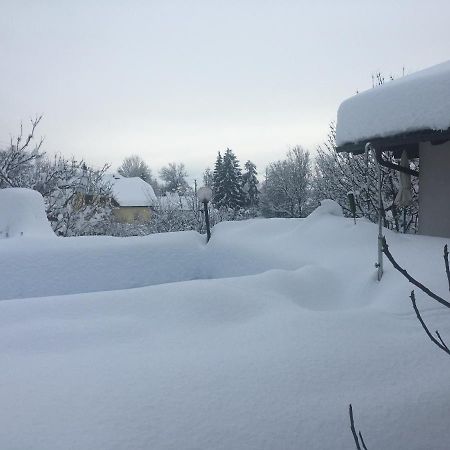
x,y
440,343
447,268
352,427
362,441
410,278
442,340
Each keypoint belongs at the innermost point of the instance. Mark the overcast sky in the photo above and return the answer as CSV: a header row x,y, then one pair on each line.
x,y
178,81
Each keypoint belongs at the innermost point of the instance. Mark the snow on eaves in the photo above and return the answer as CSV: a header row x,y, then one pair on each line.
x,y
132,191
420,101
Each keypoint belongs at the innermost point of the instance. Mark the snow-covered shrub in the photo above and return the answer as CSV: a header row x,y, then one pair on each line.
x,y
77,200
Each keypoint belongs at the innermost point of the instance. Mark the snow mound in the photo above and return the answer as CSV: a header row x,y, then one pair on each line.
x,y
255,341
419,101
22,213
327,207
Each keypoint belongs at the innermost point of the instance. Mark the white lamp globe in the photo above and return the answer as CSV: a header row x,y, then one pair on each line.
x,y
204,194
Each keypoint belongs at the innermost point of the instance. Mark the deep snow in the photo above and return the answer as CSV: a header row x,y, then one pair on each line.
x,y
258,340
22,214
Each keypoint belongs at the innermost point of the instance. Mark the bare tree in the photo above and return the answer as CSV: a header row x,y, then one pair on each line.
x,y
135,166
16,161
285,191
174,178
336,174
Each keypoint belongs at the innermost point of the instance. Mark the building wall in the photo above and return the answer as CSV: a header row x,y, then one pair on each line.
x,y
129,214
434,189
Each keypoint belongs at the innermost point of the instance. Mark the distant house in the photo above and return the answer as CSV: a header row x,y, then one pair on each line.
x,y
133,198
410,114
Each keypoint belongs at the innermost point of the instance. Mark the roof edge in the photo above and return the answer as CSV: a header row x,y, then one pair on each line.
x,y
397,140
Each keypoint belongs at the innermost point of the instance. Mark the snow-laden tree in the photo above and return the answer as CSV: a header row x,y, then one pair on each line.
x,y
17,160
217,180
77,199
250,185
174,177
135,166
208,177
286,188
228,191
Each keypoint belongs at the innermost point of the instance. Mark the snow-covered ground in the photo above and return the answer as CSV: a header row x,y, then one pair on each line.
x,y
258,340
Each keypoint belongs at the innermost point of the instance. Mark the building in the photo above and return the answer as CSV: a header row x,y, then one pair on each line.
x,y
133,198
410,114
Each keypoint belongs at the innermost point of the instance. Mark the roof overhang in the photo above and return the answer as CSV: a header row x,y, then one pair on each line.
x,y
399,142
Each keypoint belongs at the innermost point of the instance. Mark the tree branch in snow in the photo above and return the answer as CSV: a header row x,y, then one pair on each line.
x,y
362,440
439,342
357,437
410,278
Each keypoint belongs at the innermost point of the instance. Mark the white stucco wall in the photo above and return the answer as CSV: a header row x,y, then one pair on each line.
x,y
434,189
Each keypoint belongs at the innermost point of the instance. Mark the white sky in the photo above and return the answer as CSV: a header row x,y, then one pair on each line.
x,y
178,81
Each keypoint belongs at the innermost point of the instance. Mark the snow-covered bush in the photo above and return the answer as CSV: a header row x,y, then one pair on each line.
x,y
77,200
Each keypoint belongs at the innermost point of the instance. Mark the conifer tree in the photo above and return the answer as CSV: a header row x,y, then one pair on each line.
x,y
230,193
217,181
250,184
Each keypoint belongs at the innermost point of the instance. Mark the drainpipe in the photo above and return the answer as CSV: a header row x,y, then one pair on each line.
x,y
379,263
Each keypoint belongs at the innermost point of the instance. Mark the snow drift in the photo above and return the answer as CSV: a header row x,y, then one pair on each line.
x,y
258,340
22,214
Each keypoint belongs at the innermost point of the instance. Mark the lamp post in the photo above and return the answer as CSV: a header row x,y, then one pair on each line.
x,y
204,194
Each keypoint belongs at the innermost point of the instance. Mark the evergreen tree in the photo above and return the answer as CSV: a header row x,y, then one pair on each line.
x,y
217,181
250,184
229,191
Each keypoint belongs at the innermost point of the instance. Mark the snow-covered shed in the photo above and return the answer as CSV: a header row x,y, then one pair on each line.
x,y
409,114
133,197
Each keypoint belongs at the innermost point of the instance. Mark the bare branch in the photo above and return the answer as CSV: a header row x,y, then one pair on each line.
x,y
362,440
352,427
440,343
410,278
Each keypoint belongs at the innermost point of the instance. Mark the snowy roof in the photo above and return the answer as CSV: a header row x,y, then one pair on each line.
x,y
416,102
132,191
